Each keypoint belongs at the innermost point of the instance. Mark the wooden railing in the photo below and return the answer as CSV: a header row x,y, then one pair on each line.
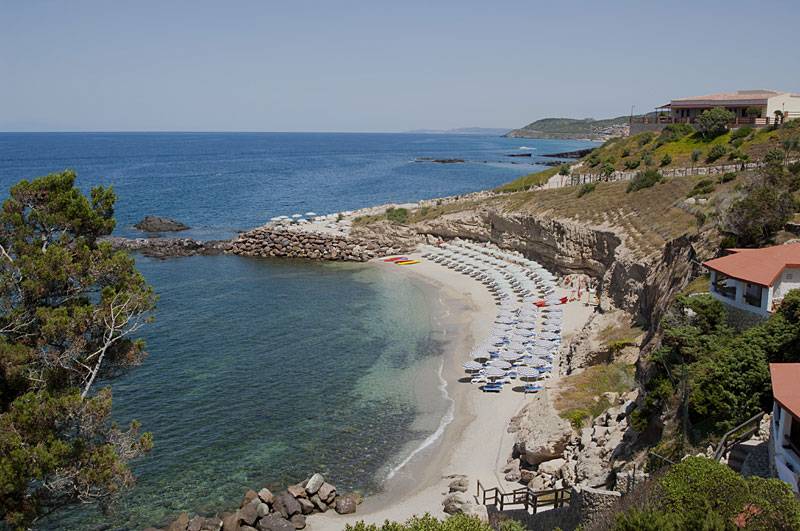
x,y
528,499
740,433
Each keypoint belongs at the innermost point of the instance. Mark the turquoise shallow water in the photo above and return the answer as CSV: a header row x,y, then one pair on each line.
x,y
264,373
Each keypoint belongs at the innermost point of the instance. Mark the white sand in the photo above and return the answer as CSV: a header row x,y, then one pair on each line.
x,y
476,443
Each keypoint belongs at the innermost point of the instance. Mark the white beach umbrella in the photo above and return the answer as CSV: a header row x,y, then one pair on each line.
x,y
500,364
494,372
542,343
311,214
473,366
528,372
276,218
297,216
537,362
510,355
550,335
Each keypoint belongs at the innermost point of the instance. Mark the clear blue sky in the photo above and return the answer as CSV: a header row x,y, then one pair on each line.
x,y
296,65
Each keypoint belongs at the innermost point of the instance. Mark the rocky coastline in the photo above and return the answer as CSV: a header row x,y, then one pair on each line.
x,y
265,511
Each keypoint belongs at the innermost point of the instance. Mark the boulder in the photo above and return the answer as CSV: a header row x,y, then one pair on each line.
x,y
298,521
298,491
230,522
180,523
454,503
159,224
306,505
196,523
540,482
286,505
266,496
262,509
212,523
318,503
476,511
249,513
326,492
592,470
458,485
274,522
552,467
346,504
249,496
314,483
542,435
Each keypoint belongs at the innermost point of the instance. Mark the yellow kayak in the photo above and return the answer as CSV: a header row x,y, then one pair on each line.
x,y
407,262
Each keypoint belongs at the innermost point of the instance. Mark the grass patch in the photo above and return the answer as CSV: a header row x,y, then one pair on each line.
x,y
586,188
644,179
698,285
397,215
581,397
619,334
526,182
704,187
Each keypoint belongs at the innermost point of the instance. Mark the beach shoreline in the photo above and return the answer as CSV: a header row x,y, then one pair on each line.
x,y
475,442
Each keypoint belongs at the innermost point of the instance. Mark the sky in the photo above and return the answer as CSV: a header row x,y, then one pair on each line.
x,y
338,65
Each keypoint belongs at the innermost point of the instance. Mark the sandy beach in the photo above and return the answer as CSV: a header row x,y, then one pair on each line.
x,y
476,442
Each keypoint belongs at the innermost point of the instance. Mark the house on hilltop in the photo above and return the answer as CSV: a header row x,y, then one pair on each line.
x,y
755,280
749,107
784,444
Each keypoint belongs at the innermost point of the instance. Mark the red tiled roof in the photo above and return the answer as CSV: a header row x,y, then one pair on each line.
x,y
785,388
757,266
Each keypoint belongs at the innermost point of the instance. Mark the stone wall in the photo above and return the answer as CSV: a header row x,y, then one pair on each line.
x,y
280,242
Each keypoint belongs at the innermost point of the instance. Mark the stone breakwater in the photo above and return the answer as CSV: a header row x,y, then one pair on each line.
x,y
265,511
284,242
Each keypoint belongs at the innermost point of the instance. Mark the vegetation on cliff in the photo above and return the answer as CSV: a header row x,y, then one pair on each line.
x,y
458,522
680,146
699,493
69,307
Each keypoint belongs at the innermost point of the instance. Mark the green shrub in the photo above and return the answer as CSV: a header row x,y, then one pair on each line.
x,y
645,138
644,179
775,157
716,151
666,160
626,153
741,133
737,143
696,154
631,164
714,122
674,132
457,522
593,160
756,218
564,170
397,215
647,158
577,417
794,168
727,177
606,169
586,188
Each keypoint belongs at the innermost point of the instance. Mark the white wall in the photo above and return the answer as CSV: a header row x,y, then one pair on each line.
x,y
783,102
787,463
789,280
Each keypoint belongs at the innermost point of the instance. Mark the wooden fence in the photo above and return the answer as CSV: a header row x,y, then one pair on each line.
x,y
531,501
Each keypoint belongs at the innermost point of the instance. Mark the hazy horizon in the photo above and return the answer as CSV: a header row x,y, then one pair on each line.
x,y
366,67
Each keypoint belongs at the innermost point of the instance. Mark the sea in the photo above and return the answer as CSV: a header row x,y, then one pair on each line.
x,y
262,371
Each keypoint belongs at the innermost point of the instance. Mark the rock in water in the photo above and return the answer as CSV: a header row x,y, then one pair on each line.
x,y
159,224
327,492
346,504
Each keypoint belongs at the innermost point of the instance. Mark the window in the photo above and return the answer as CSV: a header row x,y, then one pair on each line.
x,y
794,436
789,276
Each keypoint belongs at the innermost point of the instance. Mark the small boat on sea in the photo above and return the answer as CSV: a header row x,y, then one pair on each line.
x,y
396,259
407,262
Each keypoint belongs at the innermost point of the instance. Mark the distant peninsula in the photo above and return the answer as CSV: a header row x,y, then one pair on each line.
x,y
573,128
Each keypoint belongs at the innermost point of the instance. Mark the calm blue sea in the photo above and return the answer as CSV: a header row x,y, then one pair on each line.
x,y
262,371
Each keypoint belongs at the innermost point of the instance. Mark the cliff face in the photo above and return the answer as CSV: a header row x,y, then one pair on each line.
x,y
642,287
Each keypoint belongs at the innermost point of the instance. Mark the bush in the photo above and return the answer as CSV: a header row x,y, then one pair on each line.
x,y
645,138
563,170
647,158
607,169
706,186
397,215
457,522
577,417
696,153
727,177
774,157
586,188
757,217
716,151
794,168
626,153
666,160
644,179
714,122
631,164
741,133
674,132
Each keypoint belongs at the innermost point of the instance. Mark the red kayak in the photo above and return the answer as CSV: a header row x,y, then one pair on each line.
x,y
396,259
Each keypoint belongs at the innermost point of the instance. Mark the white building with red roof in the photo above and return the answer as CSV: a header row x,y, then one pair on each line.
x,y
744,104
784,443
755,280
